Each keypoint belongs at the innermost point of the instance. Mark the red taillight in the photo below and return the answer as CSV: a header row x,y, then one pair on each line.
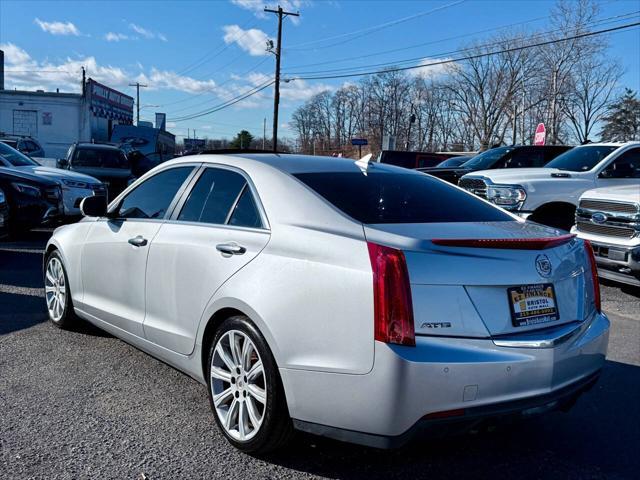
x,y
393,309
506,243
594,275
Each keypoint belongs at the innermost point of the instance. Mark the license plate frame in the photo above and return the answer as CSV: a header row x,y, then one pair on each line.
x,y
532,304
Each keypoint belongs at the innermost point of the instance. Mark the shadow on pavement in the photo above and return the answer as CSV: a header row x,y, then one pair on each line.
x,y
593,440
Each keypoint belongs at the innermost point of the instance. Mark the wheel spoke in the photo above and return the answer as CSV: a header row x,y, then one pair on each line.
x,y
50,277
220,374
232,408
225,358
49,289
50,299
222,397
258,393
242,418
255,371
62,301
245,356
253,413
235,350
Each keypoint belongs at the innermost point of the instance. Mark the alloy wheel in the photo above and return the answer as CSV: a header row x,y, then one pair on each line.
x,y
55,289
238,385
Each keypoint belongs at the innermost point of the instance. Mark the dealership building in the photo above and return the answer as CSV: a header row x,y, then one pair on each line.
x,y
56,120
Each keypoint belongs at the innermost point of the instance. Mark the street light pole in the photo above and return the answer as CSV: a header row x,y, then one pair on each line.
x,y
276,97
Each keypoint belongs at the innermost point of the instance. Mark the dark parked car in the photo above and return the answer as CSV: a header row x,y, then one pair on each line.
x,y
516,156
454,161
412,159
108,163
32,200
26,145
4,214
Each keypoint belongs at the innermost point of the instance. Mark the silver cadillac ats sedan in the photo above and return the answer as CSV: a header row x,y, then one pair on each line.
x,y
355,300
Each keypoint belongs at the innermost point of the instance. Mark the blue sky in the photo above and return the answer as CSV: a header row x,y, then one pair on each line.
x,y
198,54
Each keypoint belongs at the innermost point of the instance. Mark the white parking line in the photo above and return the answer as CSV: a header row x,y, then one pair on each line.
x,y
31,292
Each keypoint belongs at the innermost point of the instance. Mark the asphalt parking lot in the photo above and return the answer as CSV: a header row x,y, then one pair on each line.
x,y
83,404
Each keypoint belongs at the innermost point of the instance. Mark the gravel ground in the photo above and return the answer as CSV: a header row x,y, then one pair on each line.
x,y
83,404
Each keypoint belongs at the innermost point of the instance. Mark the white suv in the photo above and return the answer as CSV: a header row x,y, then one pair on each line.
x,y
610,219
550,195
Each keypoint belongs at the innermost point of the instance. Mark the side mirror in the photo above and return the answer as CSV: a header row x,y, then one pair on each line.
x,y
63,163
95,206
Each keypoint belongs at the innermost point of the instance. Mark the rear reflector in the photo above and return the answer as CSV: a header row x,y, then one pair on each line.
x,y
393,308
594,275
506,243
446,414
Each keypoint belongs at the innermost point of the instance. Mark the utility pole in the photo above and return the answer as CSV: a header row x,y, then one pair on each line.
x,y
138,85
264,133
276,97
84,82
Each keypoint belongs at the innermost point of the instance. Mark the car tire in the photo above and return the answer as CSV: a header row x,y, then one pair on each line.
x,y
57,294
238,381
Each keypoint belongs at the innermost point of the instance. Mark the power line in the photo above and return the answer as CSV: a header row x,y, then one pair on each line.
x,y
369,30
459,51
456,37
226,104
470,57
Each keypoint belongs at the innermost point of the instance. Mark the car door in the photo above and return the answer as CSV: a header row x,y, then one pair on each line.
x,y
623,170
217,229
114,254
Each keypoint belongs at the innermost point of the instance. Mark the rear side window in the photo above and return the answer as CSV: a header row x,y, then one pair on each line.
x,y
221,197
526,158
384,197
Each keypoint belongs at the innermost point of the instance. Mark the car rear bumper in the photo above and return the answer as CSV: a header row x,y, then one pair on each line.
x,y
461,379
617,263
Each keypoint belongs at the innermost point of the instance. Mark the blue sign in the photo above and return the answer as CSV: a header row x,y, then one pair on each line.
x,y
359,141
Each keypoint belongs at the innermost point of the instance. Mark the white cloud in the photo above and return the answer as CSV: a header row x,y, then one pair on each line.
x,y
257,6
433,71
25,73
253,40
146,33
115,37
58,28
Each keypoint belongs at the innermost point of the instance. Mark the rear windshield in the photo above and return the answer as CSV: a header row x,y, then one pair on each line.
x,y
100,158
13,157
581,159
384,197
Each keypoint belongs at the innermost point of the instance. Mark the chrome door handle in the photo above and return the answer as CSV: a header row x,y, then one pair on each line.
x,y
230,248
138,241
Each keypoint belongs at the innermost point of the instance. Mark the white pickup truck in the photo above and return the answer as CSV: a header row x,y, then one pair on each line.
x,y
550,195
610,219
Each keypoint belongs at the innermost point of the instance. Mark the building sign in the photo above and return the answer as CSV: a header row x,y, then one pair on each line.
x,y
540,136
359,141
47,118
105,102
194,144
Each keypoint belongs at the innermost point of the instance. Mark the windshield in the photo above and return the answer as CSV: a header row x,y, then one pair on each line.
x,y
100,158
384,197
452,162
486,159
581,159
11,157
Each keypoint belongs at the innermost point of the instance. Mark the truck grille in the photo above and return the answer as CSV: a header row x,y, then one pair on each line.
x,y
601,205
474,185
606,230
99,189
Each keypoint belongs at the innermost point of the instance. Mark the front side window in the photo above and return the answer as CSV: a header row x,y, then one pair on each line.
x,y
487,159
385,197
526,158
626,165
581,159
221,197
152,198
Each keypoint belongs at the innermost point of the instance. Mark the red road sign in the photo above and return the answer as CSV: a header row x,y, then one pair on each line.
x,y
541,135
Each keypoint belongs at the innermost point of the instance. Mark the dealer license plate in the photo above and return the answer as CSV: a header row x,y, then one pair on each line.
x,y
532,304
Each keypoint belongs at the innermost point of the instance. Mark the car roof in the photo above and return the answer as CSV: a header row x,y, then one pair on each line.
x,y
292,163
104,146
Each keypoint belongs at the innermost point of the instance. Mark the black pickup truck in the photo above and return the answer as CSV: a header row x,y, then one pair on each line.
x,y
516,156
